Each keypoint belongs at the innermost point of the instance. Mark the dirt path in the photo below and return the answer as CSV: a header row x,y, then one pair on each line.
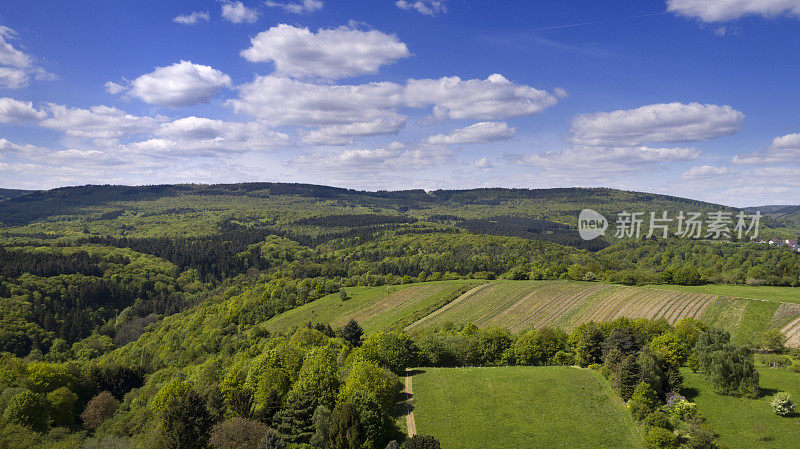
x,y
411,426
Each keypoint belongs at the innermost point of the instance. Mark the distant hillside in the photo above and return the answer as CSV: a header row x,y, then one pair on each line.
x,y
185,210
6,194
784,215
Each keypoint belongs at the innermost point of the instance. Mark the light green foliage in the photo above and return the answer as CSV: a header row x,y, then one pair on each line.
x,y
394,350
27,409
368,376
170,393
643,402
684,409
537,347
46,377
62,406
782,404
319,375
660,438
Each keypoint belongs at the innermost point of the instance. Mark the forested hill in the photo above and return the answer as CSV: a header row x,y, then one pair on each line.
x,y
6,194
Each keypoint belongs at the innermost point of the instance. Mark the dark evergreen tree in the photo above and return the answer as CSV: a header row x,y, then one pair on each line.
x,y
295,419
187,423
272,404
422,442
240,402
346,431
352,333
629,376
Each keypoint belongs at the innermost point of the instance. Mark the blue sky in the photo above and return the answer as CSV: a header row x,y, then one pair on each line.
x,y
694,98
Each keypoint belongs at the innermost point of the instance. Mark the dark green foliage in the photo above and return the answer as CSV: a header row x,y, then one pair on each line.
x,y
240,402
269,408
421,442
322,426
116,379
346,431
374,421
295,419
629,375
352,333
187,423
625,339
62,403
730,368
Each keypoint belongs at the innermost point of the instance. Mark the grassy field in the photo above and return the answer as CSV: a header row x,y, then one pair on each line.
x,y
374,308
749,423
521,407
765,293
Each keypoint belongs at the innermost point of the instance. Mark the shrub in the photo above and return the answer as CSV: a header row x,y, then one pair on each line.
x,y
782,404
773,340
658,438
684,409
422,442
658,419
643,401
99,409
237,433
795,366
562,358
773,360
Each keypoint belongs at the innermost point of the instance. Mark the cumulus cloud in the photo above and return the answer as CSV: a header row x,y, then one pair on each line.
x,y
7,147
197,133
284,101
236,12
14,111
344,134
663,122
98,122
490,99
181,84
192,18
114,88
482,132
427,7
707,171
725,10
784,150
604,161
17,67
303,7
483,163
329,53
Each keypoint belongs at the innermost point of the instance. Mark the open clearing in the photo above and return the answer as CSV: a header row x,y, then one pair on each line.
x,y
749,423
521,407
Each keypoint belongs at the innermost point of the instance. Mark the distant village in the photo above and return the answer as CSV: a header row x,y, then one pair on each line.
x,y
794,244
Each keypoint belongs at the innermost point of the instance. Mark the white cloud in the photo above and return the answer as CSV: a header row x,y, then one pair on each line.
x,y
16,67
14,111
663,122
98,122
784,150
181,84
195,133
114,88
483,163
482,132
330,53
192,18
725,10
344,134
707,171
7,146
427,7
604,161
490,99
236,12
284,101
302,7
394,156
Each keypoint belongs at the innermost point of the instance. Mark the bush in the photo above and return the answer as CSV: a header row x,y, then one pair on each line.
x,y
562,358
643,401
795,366
773,340
99,409
658,419
421,442
782,404
684,409
658,438
237,433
